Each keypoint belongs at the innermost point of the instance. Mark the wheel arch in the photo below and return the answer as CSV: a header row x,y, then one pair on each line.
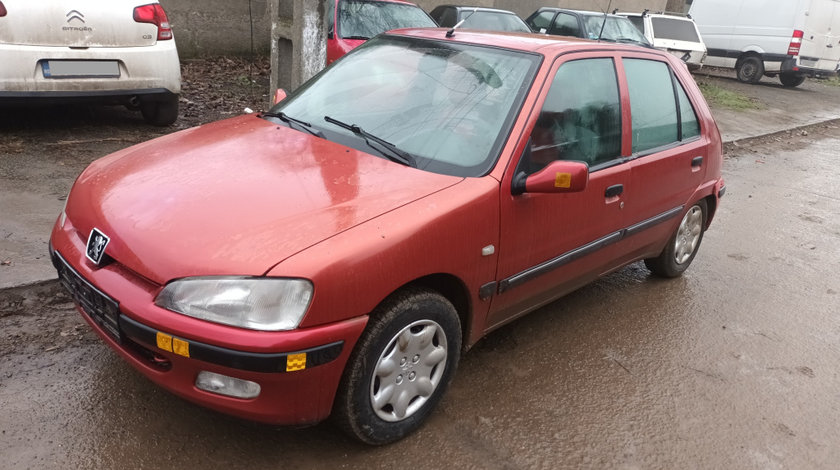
x,y
749,53
450,287
711,208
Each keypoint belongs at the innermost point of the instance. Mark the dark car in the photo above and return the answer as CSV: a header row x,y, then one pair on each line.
x,y
585,24
489,19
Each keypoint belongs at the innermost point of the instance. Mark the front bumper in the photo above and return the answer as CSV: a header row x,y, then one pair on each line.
x,y
297,371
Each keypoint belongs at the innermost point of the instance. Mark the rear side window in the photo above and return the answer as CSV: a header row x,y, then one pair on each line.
x,y
542,21
566,25
445,16
662,113
581,117
652,104
688,118
674,29
638,22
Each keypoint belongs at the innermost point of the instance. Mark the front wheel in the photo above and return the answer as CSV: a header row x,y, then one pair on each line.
x,y
400,368
683,244
791,79
750,69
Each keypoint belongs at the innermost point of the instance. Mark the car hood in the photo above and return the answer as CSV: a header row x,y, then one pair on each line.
x,y
234,197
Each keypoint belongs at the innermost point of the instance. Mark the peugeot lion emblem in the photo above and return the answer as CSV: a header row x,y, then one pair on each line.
x,y
97,241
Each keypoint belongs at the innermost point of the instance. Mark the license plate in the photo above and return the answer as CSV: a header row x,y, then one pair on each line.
x,y
103,310
80,68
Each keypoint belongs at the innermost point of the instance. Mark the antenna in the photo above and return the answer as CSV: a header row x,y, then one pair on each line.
x,y
451,32
601,33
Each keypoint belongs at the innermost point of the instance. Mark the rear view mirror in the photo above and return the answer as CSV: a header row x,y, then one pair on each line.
x,y
279,95
561,176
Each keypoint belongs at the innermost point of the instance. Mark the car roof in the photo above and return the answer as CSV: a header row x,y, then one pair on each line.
x,y
526,42
462,7
657,15
580,12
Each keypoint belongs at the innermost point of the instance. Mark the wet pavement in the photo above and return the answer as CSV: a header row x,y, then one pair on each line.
x,y
731,366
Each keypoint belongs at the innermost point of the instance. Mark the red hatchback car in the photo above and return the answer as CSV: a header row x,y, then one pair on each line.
x,y
338,253
352,22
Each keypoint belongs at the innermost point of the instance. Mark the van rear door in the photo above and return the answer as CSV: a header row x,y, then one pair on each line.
x,y
821,39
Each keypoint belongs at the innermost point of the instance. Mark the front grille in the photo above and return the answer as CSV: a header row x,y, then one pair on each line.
x,y
103,310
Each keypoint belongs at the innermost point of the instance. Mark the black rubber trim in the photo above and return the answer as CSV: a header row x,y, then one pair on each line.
x,y
656,220
242,360
734,54
577,253
721,192
84,94
552,264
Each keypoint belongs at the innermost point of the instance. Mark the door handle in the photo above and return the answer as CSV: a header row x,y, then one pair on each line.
x,y
614,190
696,161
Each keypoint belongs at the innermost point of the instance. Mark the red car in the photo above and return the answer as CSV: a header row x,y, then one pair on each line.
x,y
352,22
338,253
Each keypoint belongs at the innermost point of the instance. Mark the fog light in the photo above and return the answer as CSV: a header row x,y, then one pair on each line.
x,y
224,385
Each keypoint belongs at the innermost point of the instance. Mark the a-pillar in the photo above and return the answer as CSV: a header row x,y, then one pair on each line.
x,y
298,41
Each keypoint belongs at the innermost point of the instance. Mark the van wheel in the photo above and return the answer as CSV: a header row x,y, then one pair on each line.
x,y
400,368
683,245
791,79
750,69
160,111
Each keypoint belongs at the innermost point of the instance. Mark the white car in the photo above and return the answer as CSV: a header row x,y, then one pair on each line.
x,y
677,35
119,51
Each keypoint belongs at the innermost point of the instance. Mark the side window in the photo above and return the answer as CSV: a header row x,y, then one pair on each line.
x,y
581,117
652,104
688,117
449,17
565,25
330,6
541,22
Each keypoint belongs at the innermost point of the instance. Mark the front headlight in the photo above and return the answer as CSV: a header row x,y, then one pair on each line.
x,y
265,304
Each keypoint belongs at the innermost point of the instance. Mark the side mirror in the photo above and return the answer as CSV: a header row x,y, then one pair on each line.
x,y
279,95
561,176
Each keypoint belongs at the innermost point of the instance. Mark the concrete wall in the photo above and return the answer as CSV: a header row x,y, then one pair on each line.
x,y
219,27
223,27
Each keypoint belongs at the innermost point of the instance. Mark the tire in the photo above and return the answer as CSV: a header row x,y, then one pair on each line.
x,y
683,245
400,368
790,80
750,69
160,111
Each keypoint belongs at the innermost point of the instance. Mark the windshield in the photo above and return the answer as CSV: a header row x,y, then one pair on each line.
x,y
363,19
616,28
494,21
449,105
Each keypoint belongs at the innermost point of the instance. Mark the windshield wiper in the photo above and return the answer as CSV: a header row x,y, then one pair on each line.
x,y
290,120
397,155
363,38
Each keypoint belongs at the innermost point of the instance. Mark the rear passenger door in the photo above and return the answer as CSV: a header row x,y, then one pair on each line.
x,y
670,155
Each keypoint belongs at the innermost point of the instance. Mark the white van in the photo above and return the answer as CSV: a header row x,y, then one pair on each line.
x,y
674,34
789,38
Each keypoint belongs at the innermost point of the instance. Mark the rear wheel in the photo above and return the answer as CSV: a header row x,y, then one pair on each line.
x,y
160,111
791,79
400,368
683,244
750,69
